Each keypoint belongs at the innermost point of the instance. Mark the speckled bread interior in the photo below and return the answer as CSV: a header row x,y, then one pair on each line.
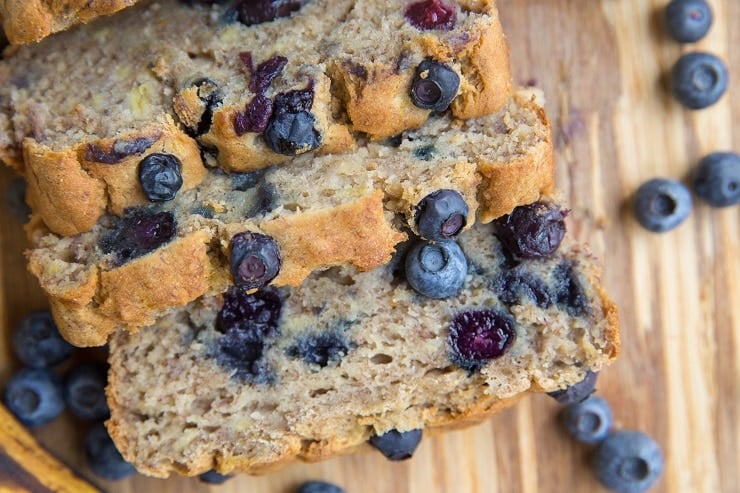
x,y
354,212
180,404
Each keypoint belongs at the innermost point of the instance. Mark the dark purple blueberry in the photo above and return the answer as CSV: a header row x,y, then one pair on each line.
x,y
478,336
34,396
250,12
513,286
717,179
396,445
688,20
577,392
120,150
137,233
628,462
103,457
211,96
160,176
255,117
320,348
588,421
435,86
255,260
661,204
213,477
441,215
15,199
567,290
436,270
84,391
319,487
431,14
533,230
38,343
265,73
699,80
291,128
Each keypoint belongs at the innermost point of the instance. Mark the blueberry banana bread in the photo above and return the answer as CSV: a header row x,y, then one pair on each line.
x,y
253,87
250,382
277,225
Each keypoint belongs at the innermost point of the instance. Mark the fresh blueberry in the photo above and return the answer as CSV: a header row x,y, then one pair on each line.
x,y
34,396
436,270
441,215
699,80
577,392
137,233
688,20
255,260
103,457
291,128
431,14
321,348
478,336
435,86
588,421
628,461
37,342
532,230
84,391
661,204
15,199
717,179
319,487
213,477
160,176
396,445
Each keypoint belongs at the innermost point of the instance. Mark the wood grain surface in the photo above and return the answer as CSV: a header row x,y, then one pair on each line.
x,y
603,65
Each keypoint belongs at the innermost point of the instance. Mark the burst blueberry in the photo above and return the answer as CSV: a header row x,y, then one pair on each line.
x,y
137,233
628,461
717,179
688,20
567,290
431,14
661,204
319,487
577,392
699,80
588,421
434,86
38,343
103,457
321,348
250,12
291,128
436,270
441,215
396,445
478,336
255,259
532,230
160,176
34,396
84,391
515,286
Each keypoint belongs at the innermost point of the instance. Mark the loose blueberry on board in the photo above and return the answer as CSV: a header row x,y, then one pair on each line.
x,y
160,176
588,421
431,14
34,396
319,487
103,457
435,86
532,230
478,336
213,477
717,179
688,20
699,80
84,391
137,233
577,392
441,215
628,461
255,260
396,445
37,342
436,270
661,204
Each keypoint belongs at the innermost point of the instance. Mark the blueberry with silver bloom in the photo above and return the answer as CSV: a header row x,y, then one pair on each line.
x,y
214,477
160,176
588,421
578,392
436,270
396,445
688,21
441,215
38,343
628,462
84,391
34,396
717,179
661,204
319,487
435,86
699,80
103,457
255,259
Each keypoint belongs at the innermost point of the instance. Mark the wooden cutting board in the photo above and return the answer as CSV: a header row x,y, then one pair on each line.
x,y
602,64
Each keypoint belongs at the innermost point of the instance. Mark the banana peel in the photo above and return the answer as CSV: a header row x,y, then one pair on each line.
x,y
26,467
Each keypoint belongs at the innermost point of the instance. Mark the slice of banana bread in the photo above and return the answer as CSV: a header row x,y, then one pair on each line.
x,y
251,382
253,87
317,212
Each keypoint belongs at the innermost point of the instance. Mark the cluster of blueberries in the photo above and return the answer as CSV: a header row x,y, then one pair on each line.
x,y
699,80
626,461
